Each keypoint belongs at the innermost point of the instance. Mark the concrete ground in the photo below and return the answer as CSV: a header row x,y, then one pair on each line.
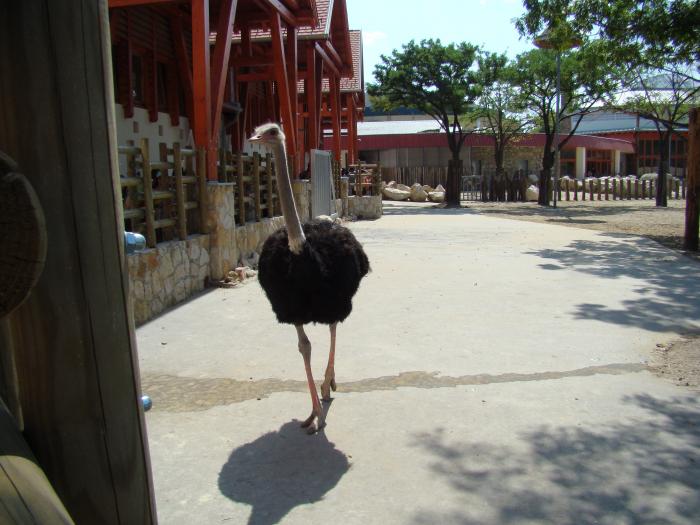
x,y
492,371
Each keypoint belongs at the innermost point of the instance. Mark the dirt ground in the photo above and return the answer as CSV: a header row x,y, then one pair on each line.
x,y
678,361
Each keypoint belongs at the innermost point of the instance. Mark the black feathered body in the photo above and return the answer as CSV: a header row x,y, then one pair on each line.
x,y
318,284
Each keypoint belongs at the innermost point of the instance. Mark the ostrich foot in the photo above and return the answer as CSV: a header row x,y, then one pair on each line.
x,y
312,426
326,387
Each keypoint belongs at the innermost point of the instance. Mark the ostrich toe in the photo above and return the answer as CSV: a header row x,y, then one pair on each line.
x,y
326,387
314,422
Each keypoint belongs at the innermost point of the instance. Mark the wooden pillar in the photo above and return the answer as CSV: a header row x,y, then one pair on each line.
x,y
335,114
73,338
284,90
692,207
201,71
220,67
349,125
292,59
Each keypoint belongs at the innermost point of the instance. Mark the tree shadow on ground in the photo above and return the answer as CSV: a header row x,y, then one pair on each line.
x,y
668,294
424,209
282,470
641,471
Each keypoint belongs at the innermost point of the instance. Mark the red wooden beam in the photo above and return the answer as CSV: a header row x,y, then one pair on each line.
x,y
184,69
201,77
351,118
222,49
291,53
332,53
311,95
327,60
282,11
131,3
252,61
283,88
335,117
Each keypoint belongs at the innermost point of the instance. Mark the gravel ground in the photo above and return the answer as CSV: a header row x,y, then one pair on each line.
x,y
678,361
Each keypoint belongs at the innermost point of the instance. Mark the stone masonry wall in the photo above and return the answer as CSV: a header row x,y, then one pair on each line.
x,y
163,276
366,207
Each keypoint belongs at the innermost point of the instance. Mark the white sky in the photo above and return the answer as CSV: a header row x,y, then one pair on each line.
x,y
387,24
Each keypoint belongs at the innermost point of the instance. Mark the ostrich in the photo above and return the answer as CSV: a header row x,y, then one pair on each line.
x,y
309,272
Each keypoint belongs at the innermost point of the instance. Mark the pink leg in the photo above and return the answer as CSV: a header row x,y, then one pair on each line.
x,y
329,380
317,410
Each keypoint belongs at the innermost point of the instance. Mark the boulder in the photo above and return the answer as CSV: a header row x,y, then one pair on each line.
x,y
395,194
532,193
403,187
427,188
438,195
418,194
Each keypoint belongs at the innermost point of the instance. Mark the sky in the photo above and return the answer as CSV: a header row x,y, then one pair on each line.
x,y
388,24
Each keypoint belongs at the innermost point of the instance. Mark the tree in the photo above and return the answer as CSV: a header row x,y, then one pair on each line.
x,y
665,97
439,80
641,32
587,83
502,110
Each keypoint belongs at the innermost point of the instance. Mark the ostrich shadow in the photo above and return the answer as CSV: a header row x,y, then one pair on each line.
x,y
282,470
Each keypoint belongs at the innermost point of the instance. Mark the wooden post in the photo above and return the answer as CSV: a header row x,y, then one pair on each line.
x,y
179,193
269,184
636,189
358,179
148,194
241,190
644,189
256,186
73,339
568,195
201,187
607,189
614,189
600,190
591,190
583,190
692,207
629,190
575,189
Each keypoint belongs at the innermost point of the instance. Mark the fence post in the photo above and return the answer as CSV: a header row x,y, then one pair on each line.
x,y
607,189
241,190
179,193
636,189
600,190
148,194
270,199
629,190
358,180
201,161
256,186
590,189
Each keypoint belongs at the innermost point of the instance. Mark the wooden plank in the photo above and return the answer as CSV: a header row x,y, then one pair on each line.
x,y
269,188
164,223
127,182
134,213
73,339
184,68
180,194
692,206
241,190
256,186
148,194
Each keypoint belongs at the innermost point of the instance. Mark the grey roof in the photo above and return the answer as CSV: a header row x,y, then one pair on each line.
x,y
398,127
606,122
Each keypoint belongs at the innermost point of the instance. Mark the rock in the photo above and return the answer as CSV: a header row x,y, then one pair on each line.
x,y
436,196
532,193
395,194
403,187
427,188
440,188
533,177
418,194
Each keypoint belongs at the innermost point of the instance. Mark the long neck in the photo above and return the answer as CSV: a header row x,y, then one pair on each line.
x,y
289,210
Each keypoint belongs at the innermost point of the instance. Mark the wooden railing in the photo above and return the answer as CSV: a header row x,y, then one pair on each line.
x,y
163,199
365,179
254,185
620,189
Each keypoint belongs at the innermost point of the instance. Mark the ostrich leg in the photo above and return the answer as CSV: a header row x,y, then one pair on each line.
x,y
329,381
317,410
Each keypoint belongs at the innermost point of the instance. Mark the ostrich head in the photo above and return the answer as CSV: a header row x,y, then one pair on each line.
x,y
269,134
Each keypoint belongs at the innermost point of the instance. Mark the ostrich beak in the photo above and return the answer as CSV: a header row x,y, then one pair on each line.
x,y
257,137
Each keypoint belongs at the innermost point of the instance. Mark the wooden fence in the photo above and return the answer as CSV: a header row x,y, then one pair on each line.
x,y
254,185
364,179
619,189
163,199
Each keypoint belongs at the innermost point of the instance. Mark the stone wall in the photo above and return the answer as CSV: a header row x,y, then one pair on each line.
x,y
163,276
366,207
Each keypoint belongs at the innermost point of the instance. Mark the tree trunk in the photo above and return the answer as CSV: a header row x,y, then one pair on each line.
x,y
661,187
454,172
692,206
545,175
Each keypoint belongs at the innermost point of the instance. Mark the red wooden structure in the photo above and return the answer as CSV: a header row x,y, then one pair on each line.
x,y
291,61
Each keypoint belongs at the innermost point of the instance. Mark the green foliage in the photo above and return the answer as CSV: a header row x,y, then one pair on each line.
x,y
439,80
638,32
